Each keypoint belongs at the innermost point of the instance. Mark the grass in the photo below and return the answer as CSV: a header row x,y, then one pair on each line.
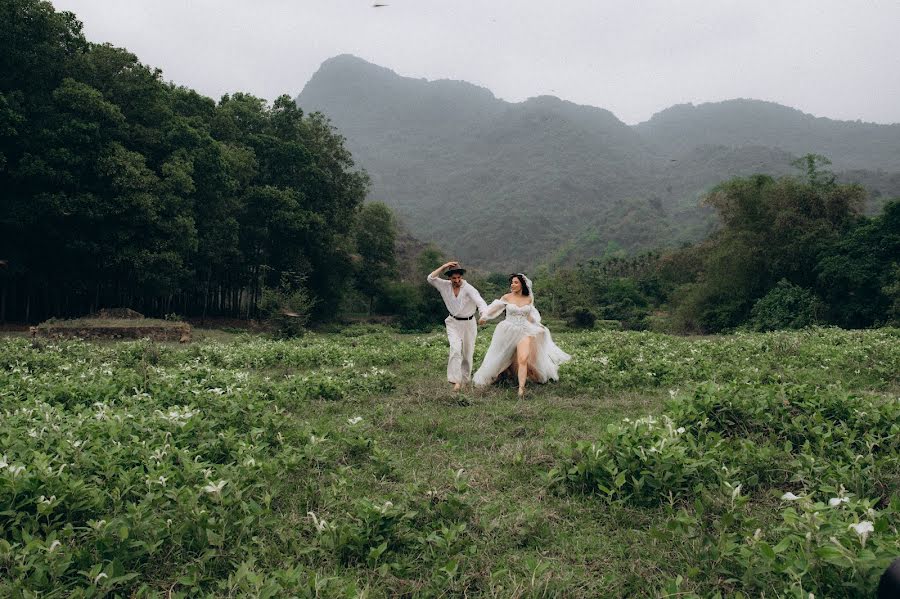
x,y
98,323
529,538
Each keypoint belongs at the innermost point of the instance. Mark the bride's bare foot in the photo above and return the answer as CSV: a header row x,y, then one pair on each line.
x,y
521,393
456,386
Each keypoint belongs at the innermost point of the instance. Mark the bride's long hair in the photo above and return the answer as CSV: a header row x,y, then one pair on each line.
x,y
517,275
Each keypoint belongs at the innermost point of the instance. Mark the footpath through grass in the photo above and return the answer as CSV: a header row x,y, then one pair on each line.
x,y
343,465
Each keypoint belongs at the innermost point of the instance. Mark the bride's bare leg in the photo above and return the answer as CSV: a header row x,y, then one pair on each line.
x,y
523,351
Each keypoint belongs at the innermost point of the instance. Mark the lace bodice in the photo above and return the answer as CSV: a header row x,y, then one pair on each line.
x,y
514,311
521,317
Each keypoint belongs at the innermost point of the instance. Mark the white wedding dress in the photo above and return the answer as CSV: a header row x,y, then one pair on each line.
x,y
521,321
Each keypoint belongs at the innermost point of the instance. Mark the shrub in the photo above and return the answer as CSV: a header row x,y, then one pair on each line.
x,y
581,318
287,307
786,306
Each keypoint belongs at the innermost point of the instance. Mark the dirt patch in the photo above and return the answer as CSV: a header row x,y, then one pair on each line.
x,y
117,313
115,328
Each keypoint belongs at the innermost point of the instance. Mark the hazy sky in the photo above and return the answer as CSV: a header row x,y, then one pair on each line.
x,y
834,58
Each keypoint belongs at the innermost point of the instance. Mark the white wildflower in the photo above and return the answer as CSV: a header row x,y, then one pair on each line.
x,y
789,497
3,462
100,577
836,501
319,524
53,546
249,462
680,430
735,492
215,488
16,470
863,529
354,421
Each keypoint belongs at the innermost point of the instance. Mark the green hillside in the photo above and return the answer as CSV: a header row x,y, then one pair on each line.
x,y
512,185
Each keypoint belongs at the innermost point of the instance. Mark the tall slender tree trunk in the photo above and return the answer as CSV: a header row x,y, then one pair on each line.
x,y
206,297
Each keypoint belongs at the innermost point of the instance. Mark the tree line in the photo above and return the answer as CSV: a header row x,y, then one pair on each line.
x,y
790,252
119,189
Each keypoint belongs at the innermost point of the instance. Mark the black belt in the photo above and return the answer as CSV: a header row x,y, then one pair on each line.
x,y
466,318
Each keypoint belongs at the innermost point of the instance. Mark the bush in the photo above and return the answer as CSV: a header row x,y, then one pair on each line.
x,y
786,306
287,308
581,318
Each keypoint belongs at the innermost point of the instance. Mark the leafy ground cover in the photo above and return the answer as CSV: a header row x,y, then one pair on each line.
x,y
341,465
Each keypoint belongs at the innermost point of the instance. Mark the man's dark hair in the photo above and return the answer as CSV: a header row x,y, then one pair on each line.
x,y
525,290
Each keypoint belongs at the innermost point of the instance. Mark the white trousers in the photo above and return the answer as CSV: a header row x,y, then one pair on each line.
x,y
461,335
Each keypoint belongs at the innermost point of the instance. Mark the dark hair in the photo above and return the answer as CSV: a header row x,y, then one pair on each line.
x,y
516,275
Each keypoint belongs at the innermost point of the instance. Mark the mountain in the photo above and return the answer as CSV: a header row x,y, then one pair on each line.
x,y
510,185
850,145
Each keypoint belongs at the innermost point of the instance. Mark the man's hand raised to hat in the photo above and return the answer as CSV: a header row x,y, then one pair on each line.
x,y
451,264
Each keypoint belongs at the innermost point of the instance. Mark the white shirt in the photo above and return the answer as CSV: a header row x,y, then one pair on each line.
x,y
462,305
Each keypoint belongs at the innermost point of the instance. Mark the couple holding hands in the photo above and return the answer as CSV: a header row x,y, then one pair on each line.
x,y
521,345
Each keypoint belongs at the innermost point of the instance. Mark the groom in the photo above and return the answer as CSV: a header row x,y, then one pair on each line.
x,y
461,300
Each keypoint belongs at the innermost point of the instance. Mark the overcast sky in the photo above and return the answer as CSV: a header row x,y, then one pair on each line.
x,y
834,58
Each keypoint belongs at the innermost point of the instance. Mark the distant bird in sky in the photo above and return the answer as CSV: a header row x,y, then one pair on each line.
x,y
379,5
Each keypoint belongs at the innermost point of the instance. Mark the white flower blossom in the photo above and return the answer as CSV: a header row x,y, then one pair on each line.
x,y
789,497
836,501
319,524
863,529
53,546
215,488
16,470
100,577
3,462
680,430
249,462
354,421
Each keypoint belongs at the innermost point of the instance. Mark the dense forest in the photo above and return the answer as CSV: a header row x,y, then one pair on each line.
x,y
791,252
120,190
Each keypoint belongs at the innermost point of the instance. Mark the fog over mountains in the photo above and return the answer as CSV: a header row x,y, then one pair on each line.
x,y
511,185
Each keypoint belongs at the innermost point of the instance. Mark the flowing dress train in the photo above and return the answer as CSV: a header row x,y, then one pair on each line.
x,y
521,321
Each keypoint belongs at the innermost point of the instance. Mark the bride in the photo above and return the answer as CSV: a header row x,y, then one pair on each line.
x,y
521,344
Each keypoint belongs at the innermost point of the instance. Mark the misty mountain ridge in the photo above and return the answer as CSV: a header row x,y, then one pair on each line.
x,y
503,184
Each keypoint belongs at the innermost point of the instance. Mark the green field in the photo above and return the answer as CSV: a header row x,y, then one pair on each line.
x,y
342,465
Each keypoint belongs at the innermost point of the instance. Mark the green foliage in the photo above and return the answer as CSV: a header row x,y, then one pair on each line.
x,y
714,450
581,318
786,306
287,307
121,189
313,466
856,273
